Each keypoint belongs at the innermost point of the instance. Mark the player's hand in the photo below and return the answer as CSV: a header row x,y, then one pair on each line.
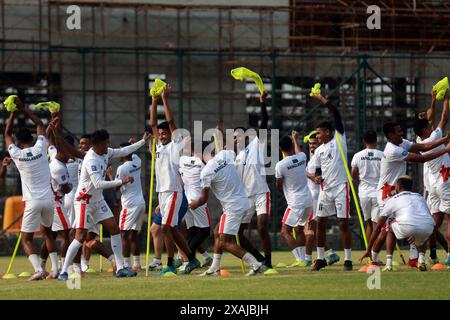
x,y
167,91
295,135
146,136
423,115
109,173
367,254
6,161
433,95
19,104
320,98
318,179
127,180
263,96
55,114
157,209
132,140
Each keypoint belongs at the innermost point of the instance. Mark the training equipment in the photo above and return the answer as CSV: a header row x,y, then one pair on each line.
x,y
315,89
90,270
281,265
400,252
223,273
440,88
364,267
100,257
7,275
438,266
270,271
10,104
242,73
169,274
306,138
158,88
150,207
51,106
24,274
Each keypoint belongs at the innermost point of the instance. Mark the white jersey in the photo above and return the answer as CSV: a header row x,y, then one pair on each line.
x,y
433,168
34,170
93,173
328,158
314,188
221,176
250,167
393,164
73,166
59,174
166,166
292,170
190,171
408,208
132,192
368,162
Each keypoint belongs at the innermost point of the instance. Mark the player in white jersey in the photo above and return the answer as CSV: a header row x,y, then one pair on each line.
x,y
438,173
133,208
290,174
198,221
365,174
334,197
90,206
220,176
168,186
397,152
408,216
73,165
251,169
31,160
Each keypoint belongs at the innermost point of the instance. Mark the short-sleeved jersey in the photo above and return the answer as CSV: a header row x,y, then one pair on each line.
x,y
34,170
328,159
408,208
166,165
59,174
368,162
220,175
132,192
292,170
393,163
314,188
73,166
250,167
190,171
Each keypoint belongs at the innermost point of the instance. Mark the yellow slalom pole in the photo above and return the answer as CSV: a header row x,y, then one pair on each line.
x,y
217,146
7,275
150,208
101,258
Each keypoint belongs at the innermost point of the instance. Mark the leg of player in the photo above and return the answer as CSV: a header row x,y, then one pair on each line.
x,y
43,256
65,242
214,269
93,244
310,239
27,244
438,218
347,241
228,243
86,255
263,230
297,245
369,228
321,238
51,248
246,244
134,246
422,265
447,261
206,257
125,235
75,245
198,236
390,245
181,242
157,237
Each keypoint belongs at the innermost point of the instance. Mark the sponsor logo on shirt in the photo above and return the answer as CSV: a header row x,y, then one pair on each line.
x,y
94,168
296,164
31,157
405,153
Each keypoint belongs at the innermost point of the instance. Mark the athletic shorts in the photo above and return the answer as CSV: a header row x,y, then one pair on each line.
x,y
88,215
294,217
370,208
131,218
198,218
61,220
439,197
230,222
37,213
259,203
334,201
181,213
69,206
404,231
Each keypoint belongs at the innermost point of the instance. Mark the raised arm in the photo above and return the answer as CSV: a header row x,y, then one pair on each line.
x,y
167,111
9,129
295,135
429,145
153,118
122,152
40,130
444,115
422,158
264,114
336,114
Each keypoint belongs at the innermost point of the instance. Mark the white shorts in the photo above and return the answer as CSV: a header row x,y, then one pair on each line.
x,y
169,206
37,213
294,217
87,215
334,201
421,235
260,203
198,218
370,208
69,206
439,197
230,222
61,221
131,218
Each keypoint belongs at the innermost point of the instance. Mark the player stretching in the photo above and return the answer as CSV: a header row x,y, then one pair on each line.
x,y
220,176
90,206
334,195
290,174
168,186
133,208
31,159
437,170
250,167
408,217
366,172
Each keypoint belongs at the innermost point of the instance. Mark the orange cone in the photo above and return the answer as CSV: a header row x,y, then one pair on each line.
x,y
364,268
438,266
224,273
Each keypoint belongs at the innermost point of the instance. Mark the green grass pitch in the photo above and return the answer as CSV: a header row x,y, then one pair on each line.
x,y
290,283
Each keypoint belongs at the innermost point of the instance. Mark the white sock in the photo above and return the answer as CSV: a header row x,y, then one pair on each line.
x,y
54,259
250,259
35,262
126,262
302,252
157,260
389,260
421,257
308,257
296,254
43,263
320,253
84,262
348,254
116,246
330,252
375,256
216,261
136,261
413,253
72,251
205,255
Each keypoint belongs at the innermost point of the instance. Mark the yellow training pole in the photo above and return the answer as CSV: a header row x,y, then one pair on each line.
x,y
101,240
150,200
7,275
217,146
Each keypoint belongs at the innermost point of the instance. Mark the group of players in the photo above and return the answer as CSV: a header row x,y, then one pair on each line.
x,y
62,193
